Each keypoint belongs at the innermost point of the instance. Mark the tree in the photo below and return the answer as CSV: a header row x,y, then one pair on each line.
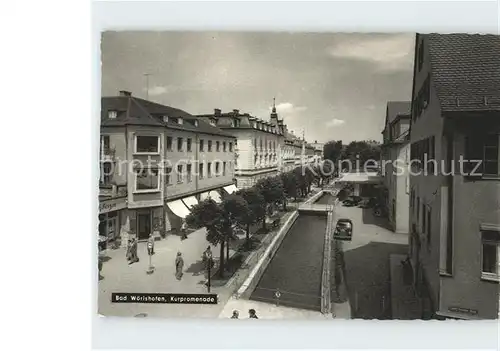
x,y
289,181
362,151
301,180
333,150
272,190
235,211
256,208
210,215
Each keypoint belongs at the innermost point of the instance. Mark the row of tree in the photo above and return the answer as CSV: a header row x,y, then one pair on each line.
x,y
363,151
251,206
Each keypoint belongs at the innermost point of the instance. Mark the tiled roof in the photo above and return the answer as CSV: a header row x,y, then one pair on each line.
x,y
397,108
466,71
135,111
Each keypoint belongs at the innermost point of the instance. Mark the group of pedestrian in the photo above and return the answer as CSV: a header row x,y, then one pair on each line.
x,y
132,256
251,314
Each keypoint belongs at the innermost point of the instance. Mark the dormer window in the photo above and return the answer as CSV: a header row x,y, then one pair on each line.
x,y
213,122
180,120
254,125
195,123
112,114
165,119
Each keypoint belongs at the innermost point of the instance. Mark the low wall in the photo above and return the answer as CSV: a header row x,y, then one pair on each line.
x,y
326,303
251,282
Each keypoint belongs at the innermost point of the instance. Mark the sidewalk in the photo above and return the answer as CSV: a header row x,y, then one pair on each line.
x,y
120,277
404,303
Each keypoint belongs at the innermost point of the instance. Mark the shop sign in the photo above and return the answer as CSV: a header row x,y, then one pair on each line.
x,y
462,310
112,205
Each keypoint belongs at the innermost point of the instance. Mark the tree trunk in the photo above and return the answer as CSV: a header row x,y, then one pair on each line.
x,y
221,260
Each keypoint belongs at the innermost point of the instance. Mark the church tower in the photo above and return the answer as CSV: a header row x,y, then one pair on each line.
x,y
274,114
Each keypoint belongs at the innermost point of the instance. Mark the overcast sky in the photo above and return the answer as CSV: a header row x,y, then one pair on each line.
x,y
331,86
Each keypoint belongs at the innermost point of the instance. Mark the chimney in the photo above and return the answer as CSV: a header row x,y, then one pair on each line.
x,y
236,112
217,112
125,93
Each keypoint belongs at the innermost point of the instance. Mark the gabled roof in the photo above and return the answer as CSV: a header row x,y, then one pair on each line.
x,y
136,111
397,109
465,71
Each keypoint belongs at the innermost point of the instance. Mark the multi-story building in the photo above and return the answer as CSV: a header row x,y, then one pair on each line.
x,y
259,144
156,163
318,150
454,209
395,153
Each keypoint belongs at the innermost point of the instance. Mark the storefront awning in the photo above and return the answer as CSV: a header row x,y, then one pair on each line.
x,y
214,195
231,189
178,208
190,201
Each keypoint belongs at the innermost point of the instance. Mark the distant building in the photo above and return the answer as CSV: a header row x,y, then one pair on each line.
x,y
395,160
156,162
318,150
454,214
259,143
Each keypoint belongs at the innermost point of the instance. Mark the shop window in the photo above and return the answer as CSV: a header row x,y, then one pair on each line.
x,y
189,172
489,255
179,174
200,170
147,179
147,144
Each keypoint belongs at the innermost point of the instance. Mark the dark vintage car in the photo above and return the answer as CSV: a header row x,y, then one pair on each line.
x,y
343,229
352,201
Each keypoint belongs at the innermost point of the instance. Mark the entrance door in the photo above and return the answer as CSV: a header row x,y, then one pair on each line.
x,y
143,225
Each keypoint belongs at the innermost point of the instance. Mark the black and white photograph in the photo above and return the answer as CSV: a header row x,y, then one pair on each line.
x,y
301,176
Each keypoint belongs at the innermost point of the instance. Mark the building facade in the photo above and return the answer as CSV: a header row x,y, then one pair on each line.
x,y
454,207
395,153
260,145
156,163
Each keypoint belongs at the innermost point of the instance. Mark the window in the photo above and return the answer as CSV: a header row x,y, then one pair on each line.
x,y
216,168
482,156
147,144
112,114
179,174
189,173
209,145
209,170
489,255
180,141
224,149
202,145
146,179
230,147
189,142
169,143
168,174
224,168
200,170
106,173
217,146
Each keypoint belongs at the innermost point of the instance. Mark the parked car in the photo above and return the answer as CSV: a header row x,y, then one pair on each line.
x,y
343,229
352,201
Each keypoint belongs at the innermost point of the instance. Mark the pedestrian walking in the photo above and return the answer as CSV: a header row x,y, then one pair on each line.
x,y
252,314
179,265
235,315
207,255
184,230
133,257
151,245
128,254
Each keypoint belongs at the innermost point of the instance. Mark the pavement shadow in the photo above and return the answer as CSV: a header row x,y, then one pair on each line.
x,y
369,218
104,258
367,278
196,268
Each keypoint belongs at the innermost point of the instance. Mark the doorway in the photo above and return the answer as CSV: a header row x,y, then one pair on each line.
x,y
143,225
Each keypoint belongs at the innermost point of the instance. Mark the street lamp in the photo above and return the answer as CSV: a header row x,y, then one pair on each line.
x,y
209,269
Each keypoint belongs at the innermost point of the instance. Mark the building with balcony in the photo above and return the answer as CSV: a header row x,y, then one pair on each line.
x,y
454,207
156,163
395,154
259,143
